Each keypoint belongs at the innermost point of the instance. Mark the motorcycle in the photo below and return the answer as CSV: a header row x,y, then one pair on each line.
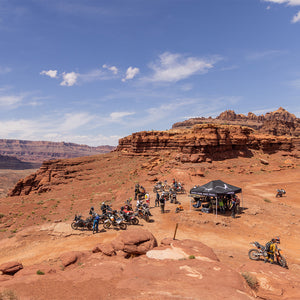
x,y
261,253
114,220
79,223
129,217
161,186
178,188
280,193
143,212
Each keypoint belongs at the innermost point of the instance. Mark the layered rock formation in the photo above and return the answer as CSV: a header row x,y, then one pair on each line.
x,y
206,142
279,122
29,151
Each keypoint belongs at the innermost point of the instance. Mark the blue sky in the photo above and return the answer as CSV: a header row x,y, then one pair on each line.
x,y
93,71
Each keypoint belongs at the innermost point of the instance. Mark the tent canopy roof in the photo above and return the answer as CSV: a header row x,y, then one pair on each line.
x,y
215,188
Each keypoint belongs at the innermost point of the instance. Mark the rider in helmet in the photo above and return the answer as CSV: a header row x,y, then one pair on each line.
x,y
271,248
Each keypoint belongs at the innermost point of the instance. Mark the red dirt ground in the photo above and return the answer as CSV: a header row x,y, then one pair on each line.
x,y
35,229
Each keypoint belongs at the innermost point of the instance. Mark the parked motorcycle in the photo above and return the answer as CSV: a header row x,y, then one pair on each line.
x,y
261,253
143,212
161,186
129,216
114,220
280,193
79,223
178,188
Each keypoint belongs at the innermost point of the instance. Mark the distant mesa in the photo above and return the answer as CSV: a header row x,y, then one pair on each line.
x,y
21,154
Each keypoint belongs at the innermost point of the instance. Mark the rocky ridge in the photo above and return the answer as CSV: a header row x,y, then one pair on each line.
x,y
206,142
279,122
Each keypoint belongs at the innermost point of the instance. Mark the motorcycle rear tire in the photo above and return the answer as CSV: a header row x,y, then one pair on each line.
x,y
123,226
74,225
254,254
90,226
135,221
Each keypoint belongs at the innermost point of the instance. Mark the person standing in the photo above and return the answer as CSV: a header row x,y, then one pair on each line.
x,y
233,207
157,199
147,198
136,191
96,223
162,202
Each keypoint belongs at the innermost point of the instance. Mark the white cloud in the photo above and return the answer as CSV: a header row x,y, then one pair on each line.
x,y
69,79
131,73
296,18
118,116
50,73
174,67
288,2
74,121
6,101
112,68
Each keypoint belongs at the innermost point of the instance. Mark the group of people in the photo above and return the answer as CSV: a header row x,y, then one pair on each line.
x,y
223,204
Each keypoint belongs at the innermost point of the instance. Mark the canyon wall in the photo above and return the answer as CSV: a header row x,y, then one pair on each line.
x,y
37,152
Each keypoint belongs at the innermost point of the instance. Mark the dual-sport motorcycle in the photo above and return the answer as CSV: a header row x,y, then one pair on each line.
x,y
280,193
143,212
178,188
114,220
161,186
129,216
261,253
79,223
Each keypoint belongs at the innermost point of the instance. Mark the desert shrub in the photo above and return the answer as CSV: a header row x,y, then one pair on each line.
x,y
39,272
8,295
267,200
251,280
192,257
1,216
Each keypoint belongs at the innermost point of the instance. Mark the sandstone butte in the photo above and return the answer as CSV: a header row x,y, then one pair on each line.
x,y
209,257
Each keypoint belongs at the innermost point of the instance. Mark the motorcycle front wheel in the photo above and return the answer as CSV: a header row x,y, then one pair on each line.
x,y
74,225
135,221
254,254
106,225
123,226
282,262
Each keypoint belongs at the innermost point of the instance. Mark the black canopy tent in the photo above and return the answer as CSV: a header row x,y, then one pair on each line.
x,y
215,188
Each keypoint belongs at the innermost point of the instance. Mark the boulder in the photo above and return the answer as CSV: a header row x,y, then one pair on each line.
x,y
106,249
134,241
10,268
69,258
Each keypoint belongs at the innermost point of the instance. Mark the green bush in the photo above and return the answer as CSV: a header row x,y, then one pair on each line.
x,y
39,272
192,257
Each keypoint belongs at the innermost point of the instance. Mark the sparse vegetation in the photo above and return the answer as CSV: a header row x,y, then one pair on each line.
x,y
1,216
8,295
39,272
267,200
192,257
251,280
